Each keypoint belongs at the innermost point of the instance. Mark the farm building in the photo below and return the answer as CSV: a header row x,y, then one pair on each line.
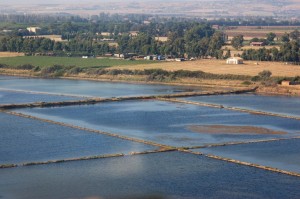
x,y
133,33
33,29
286,83
257,44
162,39
234,60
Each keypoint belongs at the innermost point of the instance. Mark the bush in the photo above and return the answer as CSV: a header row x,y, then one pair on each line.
x,y
50,70
265,74
25,67
74,71
246,83
36,69
256,78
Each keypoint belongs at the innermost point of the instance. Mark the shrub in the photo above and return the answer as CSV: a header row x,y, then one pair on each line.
x,y
265,74
50,70
25,67
74,71
256,78
246,83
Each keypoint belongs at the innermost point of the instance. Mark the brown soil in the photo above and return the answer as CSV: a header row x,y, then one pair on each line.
x,y
223,129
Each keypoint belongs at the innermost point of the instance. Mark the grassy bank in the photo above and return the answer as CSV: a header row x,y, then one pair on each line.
x,y
44,61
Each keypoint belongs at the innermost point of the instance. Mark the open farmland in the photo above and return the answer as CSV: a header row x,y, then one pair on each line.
x,y
10,54
220,67
69,61
251,32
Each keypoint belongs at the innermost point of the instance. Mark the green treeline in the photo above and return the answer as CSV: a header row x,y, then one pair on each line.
x,y
288,52
197,40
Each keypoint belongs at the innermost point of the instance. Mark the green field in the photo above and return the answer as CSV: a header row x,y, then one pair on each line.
x,y
43,61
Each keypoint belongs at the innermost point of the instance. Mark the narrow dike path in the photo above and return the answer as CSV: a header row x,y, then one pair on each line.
x,y
230,108
114,99
245,163
162,148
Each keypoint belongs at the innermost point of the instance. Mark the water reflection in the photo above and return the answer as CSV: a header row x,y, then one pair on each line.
x,y
167,123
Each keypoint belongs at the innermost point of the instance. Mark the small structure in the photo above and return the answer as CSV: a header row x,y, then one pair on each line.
x,y
234,60
286,83
133,33
216,27
33,29
257,43
104,34
161,39
179,59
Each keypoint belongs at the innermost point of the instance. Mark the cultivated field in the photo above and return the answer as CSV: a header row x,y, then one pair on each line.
x,y
251,32
43,61
211,66
10,54
220,67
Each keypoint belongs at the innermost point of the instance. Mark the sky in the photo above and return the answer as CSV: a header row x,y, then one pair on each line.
x,y
15,2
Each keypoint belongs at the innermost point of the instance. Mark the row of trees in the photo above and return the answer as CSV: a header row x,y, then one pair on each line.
x,y
197,41
288,52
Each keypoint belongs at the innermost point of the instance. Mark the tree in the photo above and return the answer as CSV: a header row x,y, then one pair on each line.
x,y
270,37
237,41
294,35
285,38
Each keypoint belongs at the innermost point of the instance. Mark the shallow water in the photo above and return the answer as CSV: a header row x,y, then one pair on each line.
x,y
284,154
287,105
13,97
164,122
90,88
170,175
26,140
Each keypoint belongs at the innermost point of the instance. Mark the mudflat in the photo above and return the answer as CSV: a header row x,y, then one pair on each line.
x,y
224,129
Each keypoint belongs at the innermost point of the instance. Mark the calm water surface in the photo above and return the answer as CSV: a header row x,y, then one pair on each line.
x,y
287,105
13,97
283,154
171,175
89,88
164,122
26,140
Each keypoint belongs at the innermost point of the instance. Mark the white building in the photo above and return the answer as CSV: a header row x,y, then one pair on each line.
x,y
33,29
234,60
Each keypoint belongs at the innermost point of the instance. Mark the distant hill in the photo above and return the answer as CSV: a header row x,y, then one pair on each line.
x,y
202,8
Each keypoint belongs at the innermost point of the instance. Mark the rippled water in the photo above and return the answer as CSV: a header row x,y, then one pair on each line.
x,y
26,140
169,175
283,154
90,88
164,122
277,104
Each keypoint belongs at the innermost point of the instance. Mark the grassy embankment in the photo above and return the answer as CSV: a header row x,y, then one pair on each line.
x,y
201,72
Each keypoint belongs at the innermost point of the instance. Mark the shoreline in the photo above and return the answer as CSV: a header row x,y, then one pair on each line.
x,y
211,84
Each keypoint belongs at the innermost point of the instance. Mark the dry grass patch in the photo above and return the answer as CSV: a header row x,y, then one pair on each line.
x,y
11,54
251,68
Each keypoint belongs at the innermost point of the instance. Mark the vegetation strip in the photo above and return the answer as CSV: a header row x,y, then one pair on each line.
x,y
99,100
246,163
242,142
230,108
89,130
